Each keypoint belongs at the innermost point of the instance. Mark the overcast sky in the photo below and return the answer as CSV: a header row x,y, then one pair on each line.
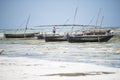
x,y
15,12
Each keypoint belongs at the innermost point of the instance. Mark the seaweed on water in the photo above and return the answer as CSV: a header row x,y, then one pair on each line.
x,y
79,74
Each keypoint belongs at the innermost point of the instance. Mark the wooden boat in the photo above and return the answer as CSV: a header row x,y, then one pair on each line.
x,y
39,36
101,36
53,38
20,35
91,35
89,38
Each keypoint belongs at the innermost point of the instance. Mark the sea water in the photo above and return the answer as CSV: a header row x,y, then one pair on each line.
x,y
100,53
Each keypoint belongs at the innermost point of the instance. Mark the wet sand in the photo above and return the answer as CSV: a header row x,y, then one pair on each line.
x,y
38,60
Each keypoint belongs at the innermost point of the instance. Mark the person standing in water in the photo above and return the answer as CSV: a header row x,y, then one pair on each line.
x,y
54,30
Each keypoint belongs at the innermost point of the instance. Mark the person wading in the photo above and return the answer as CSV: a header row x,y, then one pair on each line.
x,y
54,30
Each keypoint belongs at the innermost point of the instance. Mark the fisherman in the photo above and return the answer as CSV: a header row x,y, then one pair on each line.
x,y
54,30
108,31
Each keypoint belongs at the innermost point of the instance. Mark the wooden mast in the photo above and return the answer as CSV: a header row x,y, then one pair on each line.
x,y
97,20
98,16
26,26
74,18
64,24
101,22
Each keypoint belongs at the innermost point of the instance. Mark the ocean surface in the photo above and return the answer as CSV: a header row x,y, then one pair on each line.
x,y
100,53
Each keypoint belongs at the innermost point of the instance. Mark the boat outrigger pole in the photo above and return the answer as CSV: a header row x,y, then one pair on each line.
x,y
65,25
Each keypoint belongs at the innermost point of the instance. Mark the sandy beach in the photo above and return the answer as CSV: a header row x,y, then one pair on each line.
x,y
34,69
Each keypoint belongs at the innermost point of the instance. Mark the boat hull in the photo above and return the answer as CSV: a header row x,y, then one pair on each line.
x,y
26,35
55,38
89,38
39,36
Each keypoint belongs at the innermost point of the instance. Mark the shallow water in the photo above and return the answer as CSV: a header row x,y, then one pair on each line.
x,y
106,53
